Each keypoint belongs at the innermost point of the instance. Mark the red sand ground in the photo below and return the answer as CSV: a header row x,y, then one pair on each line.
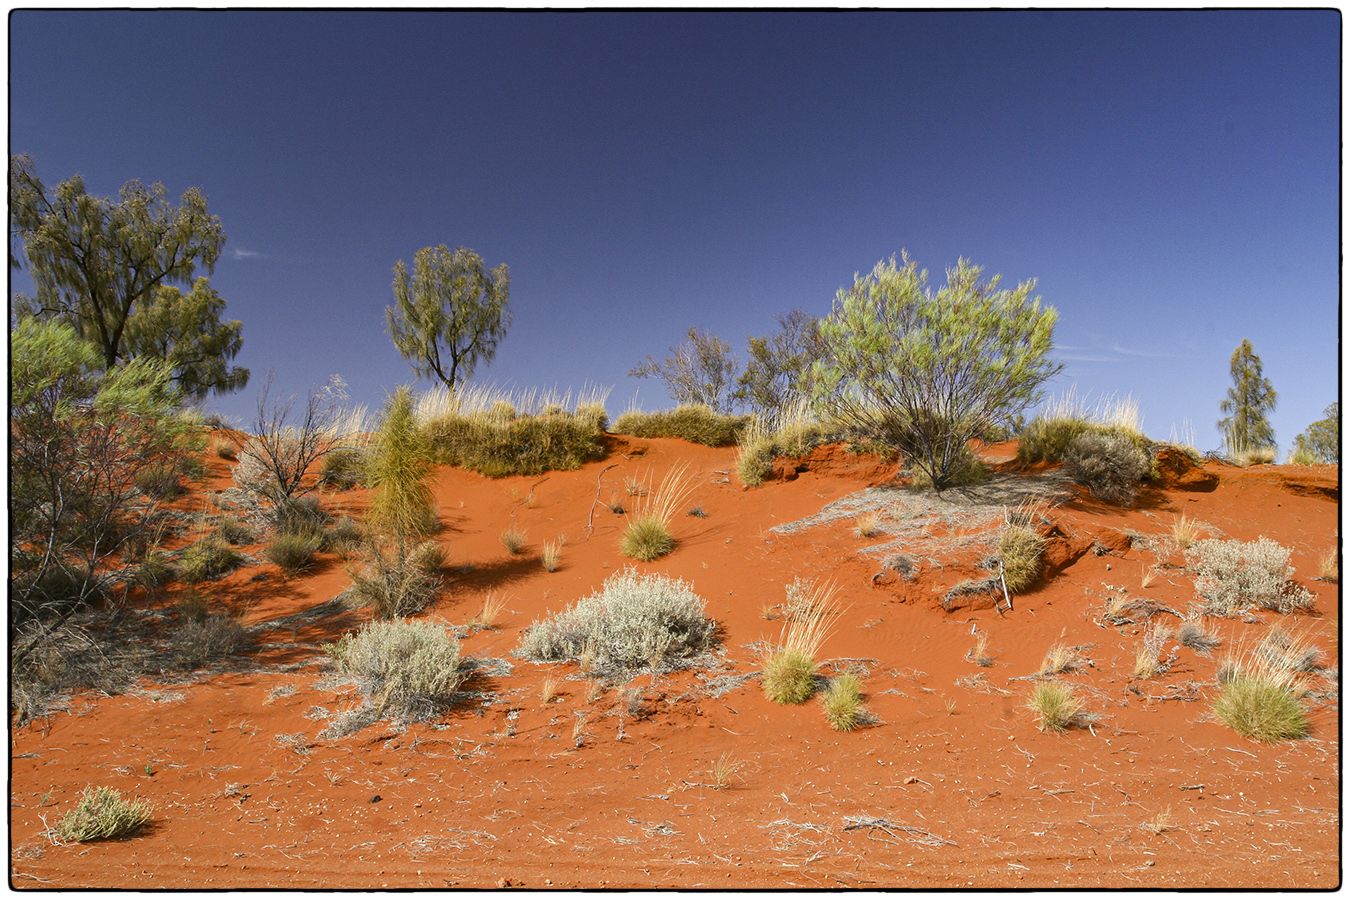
x,y
991,801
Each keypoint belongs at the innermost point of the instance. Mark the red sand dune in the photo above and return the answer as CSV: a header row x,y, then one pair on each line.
x,y
973,793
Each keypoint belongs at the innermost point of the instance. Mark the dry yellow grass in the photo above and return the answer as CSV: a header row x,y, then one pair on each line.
x,y
493,606
1185,531
1329,568
551,557
1060,658
723,770
867,525
548,690
1161,823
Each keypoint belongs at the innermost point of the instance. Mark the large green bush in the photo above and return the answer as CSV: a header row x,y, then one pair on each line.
x,y
923,371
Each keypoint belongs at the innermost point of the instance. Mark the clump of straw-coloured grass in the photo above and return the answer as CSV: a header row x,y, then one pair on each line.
x,y
789,671
648,534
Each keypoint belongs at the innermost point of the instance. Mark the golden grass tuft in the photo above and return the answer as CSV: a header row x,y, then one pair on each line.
x,y
548,691
843,702
1060,658
1185,531
867,525
1161,823
551,557
979,654
723,770
1056,706
1329,567
1148,658
1259,700
513,539
789,672
494,604
648,536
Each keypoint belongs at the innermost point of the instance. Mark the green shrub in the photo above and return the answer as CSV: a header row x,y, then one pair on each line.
x,y
103,815
843,703
1109,464
343,469
1056,706
1232,576
497,444
294,551
191,467
1020,548
234,530
208,559
1259,703
406,670
691,422
633,622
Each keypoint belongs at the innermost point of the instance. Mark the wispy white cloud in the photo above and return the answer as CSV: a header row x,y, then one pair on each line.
x,y
1110,353
244,253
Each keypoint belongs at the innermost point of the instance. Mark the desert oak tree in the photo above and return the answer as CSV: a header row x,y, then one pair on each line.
x,y
1245,425
923,371
450,313
102,265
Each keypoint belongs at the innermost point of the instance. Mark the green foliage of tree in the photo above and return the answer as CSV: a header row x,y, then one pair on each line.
x,y
923,371
1245,425
451,314
186,330
398,468
778,371
1321,441
80,437
700,371
98,264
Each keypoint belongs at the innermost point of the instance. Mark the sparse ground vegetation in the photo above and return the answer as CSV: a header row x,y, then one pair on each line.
x,y
843,702
1259,700
648,534
632,620
207,559
1056,706
407,671
1111,465
691,422
103,814
789,671
1232,576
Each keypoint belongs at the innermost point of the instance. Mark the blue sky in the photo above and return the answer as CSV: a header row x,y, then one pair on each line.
x,y
1171,178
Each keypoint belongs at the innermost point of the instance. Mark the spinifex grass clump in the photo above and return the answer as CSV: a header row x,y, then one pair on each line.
x,y
209,558
1046,438
634,622
103,815
648,536
398,468
1055,705
406,670
794,432
294,551
1259,700
692,422
401,575
790,670
1021,547
843,702
497,433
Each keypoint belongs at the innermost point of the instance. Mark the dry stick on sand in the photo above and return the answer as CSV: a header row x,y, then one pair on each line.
x,y
590,518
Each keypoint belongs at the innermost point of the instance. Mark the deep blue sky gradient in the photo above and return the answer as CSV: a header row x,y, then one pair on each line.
x,y
1170,178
